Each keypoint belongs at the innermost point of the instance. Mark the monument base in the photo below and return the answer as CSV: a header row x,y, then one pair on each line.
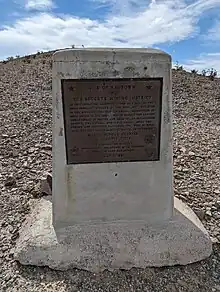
x,y
119,245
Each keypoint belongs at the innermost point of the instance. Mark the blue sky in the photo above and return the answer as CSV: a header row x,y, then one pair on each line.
x,y
187,29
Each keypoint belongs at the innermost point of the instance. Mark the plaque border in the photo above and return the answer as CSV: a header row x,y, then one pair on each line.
x,y
106,80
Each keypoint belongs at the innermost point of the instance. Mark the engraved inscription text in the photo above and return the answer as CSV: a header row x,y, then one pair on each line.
x,y
112,120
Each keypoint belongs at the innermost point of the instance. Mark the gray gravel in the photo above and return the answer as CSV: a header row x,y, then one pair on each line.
x,y
25,157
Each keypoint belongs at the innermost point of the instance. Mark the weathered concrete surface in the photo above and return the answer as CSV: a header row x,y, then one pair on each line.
x,y
92,192
181,240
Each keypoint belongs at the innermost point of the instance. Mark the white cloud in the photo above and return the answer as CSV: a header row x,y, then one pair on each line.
x,y
123,6
38,4
200,6
190,7
159,22
204,62
214,33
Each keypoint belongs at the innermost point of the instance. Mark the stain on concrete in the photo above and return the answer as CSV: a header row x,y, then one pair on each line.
x,y
61,132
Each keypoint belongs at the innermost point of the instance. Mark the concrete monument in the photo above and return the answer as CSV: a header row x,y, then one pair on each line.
x,y
112,201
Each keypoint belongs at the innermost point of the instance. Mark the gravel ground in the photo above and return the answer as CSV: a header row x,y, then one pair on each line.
x,y
25,157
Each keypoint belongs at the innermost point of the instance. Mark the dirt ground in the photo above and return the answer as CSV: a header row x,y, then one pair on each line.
x,y
26,154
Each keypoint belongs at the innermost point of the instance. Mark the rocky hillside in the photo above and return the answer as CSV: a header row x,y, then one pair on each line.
x,y
25,157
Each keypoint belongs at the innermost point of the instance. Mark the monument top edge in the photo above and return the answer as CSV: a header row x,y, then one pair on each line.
x,y
65,53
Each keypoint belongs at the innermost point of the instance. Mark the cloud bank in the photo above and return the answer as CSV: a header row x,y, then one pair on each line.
x,y
135,24
38,4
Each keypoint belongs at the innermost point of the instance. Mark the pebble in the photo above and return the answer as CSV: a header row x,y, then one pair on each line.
x,y
15,153
217,204
200,213
45,187
31,150
46,147
25,164
217,192
10,181
183,149
208,213
214,240
7,277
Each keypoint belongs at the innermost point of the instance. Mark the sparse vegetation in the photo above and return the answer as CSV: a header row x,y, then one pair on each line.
x,y
204,72
211,73
194,71
178,66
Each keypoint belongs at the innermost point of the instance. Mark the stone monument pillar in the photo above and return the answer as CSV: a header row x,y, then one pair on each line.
x,y
112,202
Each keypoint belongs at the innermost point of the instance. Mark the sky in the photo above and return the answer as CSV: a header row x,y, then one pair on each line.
x,y
189,30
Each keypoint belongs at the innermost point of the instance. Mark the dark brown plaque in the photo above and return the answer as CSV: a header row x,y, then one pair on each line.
x,y
112,120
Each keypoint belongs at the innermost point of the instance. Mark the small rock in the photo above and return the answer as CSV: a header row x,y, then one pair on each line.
x,y
191,153
49,180
200,213
46,147
217,192
183,149
7,277
14,236
10,181
25,164
214,239
182,283
177,176
31,150
181,197
217,204
15,153
208,213
176,192
46,185
36,190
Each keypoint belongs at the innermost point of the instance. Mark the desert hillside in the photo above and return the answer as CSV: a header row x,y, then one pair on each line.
x,y
26,155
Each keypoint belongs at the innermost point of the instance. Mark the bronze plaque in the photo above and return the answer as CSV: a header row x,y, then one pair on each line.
x,y
112,120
